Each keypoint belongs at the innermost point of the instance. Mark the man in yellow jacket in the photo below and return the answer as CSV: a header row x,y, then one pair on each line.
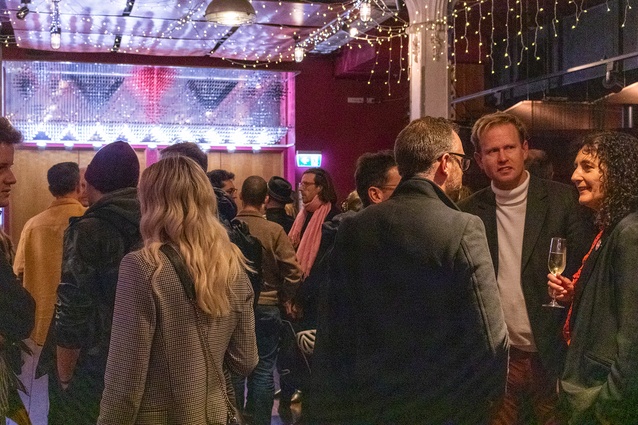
x,y
38,260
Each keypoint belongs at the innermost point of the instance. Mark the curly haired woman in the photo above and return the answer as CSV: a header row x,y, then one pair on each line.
x,y
600,379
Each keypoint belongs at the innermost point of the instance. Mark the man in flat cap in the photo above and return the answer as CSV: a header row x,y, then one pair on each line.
x,y
94,245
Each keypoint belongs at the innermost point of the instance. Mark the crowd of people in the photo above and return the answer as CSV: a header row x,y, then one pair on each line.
x,y
176,298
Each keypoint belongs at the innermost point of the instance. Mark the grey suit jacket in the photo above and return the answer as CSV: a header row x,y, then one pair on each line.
x,y
157,371
552,211
415,331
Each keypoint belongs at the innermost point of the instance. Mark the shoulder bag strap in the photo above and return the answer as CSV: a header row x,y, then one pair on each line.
x,y
189,287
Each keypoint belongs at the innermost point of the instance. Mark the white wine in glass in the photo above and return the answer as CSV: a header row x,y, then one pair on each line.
x,y
556,263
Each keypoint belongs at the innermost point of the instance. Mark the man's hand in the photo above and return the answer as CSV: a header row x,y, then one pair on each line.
x,y
292,310
67,358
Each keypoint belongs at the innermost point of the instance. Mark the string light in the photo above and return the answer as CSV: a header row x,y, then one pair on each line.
x,y
478,31
466,9
555,19
510,38
520,32
492,42
507,36
627,9
537,27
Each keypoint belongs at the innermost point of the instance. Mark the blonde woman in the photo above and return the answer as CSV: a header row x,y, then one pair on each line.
x,y
158,370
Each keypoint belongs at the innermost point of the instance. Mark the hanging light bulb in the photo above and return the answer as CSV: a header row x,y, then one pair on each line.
x,y
56,38
299,53
365,11
56,30
353,31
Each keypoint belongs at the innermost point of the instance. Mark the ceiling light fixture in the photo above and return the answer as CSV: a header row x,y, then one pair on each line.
x,y
299,53
612,80
56,29
23,11
365,11
232,13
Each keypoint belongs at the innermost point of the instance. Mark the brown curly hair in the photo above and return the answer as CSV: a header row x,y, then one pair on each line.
x,y
618,156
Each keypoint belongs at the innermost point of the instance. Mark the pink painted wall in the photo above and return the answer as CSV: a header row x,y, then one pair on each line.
x,y
342,131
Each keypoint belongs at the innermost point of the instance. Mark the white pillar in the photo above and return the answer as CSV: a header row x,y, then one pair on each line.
x,y
429,80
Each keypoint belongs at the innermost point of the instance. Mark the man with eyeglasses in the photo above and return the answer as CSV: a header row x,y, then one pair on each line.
x,y
223,180
521,214
414,329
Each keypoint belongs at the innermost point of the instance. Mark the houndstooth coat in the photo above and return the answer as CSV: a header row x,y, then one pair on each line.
x,y
156,371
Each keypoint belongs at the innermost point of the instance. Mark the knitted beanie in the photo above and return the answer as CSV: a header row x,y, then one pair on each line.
x,y
113,167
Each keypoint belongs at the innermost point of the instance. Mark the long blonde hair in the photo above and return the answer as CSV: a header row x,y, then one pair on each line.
x,y
179,208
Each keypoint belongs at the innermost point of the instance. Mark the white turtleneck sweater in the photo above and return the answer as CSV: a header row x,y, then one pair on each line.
x,y
511,206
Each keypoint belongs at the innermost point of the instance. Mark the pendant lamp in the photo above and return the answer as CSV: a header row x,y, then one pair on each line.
x,y
232,13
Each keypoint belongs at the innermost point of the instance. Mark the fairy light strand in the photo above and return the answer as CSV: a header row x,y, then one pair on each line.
x,y
627,9
537,27
478,32
507,36
492,42
520,32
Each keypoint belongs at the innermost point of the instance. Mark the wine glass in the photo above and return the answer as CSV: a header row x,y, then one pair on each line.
x,y
556,263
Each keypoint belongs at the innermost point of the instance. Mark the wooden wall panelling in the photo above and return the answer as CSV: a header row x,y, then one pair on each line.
x,y
30,195
245,164
214,160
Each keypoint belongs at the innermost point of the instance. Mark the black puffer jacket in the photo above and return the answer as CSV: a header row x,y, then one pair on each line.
x,y
94,246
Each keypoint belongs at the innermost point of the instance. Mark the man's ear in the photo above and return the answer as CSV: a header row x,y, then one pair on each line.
x,y
442,170
445,165
375,195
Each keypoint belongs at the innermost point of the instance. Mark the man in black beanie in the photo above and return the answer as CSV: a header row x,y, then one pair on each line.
x,y
94,244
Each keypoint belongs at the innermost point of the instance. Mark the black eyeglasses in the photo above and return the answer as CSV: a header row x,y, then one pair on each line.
x,y
464,162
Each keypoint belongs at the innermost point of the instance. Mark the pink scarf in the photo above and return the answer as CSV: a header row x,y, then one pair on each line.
x,y
308,246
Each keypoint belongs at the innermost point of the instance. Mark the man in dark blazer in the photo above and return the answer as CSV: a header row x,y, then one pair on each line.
x,y
415,331
521,214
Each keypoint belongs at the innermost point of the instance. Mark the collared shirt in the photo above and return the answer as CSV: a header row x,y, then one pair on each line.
x,y
39,258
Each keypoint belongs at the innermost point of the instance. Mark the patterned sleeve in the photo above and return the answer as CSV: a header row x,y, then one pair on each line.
x,y
134,320
241,355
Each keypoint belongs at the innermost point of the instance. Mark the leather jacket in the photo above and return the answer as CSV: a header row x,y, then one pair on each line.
x,y
94,246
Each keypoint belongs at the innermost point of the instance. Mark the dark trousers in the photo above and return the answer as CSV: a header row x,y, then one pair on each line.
x,y
527,382
79,404
261,383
